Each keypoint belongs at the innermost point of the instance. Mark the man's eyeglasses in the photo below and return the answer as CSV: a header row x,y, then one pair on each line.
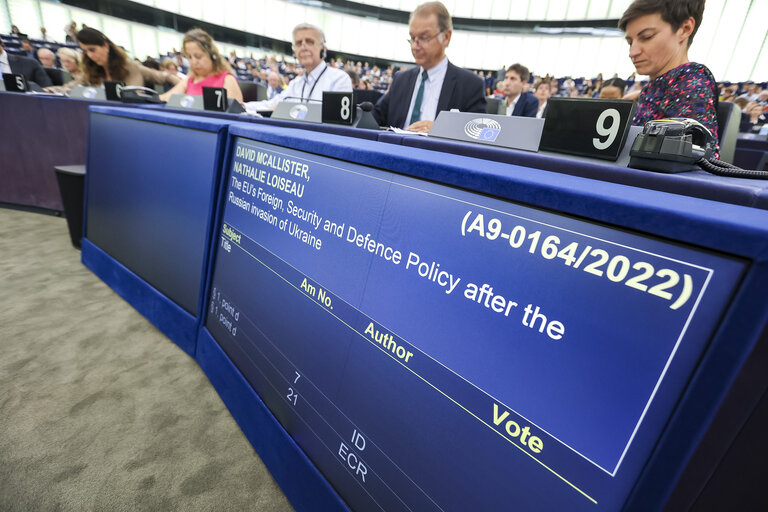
x,y
422,40
309,42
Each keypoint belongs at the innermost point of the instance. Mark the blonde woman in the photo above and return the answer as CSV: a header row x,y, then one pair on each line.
x,y
207,68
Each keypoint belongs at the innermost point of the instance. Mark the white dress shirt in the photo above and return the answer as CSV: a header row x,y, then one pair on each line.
x,y
432,88
540,112
511,106
5,66
301,88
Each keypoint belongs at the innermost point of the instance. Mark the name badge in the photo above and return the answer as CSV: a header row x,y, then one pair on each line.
x,y
14,83
593,128
338,108
215,98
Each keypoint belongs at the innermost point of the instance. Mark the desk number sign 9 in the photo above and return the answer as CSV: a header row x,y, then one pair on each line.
x,y
587,127
338,108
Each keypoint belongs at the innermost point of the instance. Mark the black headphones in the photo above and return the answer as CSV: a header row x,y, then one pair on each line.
x,y
204,46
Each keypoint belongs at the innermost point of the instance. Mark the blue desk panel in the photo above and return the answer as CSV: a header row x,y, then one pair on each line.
x,y
694,184
38,133
438,332
150,191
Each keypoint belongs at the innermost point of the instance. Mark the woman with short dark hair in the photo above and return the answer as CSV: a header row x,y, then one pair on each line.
x,y
659,33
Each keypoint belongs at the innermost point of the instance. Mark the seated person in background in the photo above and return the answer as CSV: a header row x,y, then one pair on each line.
x,y
659,33
30,68
104,61
354,77
70,61
29,50
542,93
318,76
207,68
754,116
273,85
46,58
519,103
417,95
172,68
44,35
613,88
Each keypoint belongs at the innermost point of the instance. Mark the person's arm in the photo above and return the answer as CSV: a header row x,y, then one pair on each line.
x,y
341,83
475,100
233,88
157,77
179,88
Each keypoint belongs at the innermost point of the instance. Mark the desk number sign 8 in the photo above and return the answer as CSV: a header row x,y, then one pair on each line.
x,y
338,108
587,127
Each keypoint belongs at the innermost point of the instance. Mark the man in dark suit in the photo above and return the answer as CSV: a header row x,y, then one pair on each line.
x,y
30,68
416,96
519,103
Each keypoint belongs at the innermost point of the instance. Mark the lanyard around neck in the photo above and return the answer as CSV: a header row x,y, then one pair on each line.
x,y
313,85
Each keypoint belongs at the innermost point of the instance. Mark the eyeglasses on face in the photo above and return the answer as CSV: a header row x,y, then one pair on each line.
x,y
307,41
422,40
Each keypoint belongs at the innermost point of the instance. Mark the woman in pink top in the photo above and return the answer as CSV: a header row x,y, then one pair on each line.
x,y
207,68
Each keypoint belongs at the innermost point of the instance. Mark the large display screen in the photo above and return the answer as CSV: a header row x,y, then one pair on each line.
x,y
435,349
149,208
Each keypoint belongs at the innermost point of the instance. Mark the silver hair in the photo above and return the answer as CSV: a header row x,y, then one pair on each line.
x,y
41,50
308,26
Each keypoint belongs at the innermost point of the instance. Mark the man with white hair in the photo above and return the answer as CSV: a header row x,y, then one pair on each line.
x,y
46,58
318,76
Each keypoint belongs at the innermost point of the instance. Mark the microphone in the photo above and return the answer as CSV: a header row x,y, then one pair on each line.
x,y
364,118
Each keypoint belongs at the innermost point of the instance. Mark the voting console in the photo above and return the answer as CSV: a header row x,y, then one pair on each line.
x,y
399,329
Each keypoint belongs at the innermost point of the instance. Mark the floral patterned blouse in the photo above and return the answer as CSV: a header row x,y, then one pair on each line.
x,y
688,90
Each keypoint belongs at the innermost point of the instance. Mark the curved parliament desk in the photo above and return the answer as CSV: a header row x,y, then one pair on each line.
x,y
410,328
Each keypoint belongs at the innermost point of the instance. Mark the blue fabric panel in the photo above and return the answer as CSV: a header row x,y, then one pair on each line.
x,y
348,131
158,116
302,483
713,378
748,158
759,144
574,195
695,184
391,138
170,319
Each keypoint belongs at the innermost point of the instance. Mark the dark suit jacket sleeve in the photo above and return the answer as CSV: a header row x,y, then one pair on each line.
x,y
473,93
31,69
532,106
392,108
382,107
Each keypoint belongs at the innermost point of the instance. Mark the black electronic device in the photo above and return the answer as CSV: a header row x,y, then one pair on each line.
x,y
114,90
672,146
593,128
338,108
678,145
138,94
14,83
364,116
215,98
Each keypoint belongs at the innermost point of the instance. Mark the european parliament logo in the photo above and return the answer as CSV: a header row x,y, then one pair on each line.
x,y
483,129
